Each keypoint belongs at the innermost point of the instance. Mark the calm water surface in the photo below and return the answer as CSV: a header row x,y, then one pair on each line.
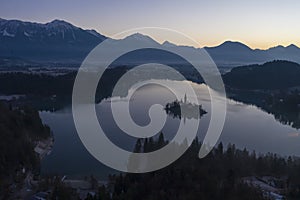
x,y
246,126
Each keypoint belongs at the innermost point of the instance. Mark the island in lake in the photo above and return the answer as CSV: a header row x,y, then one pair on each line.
x,y
184,109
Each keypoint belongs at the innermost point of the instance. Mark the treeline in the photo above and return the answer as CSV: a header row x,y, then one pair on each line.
x,y
273,86
20,128
220,175
39,84
49,92
217,176
271,75
46,85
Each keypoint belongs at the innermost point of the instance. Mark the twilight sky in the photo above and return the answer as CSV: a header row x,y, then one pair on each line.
x,y
257,23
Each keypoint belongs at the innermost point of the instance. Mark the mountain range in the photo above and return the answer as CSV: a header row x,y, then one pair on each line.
x,y
61,42
56,41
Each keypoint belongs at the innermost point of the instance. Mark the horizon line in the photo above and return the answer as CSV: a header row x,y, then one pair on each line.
x,y
109,36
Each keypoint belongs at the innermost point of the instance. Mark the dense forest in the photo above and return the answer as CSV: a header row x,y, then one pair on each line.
x,y
271,75
220,175
51,92
44,84
20,128
273,86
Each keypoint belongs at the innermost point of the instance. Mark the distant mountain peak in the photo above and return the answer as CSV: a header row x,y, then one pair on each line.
x,y
231,46
60,24
52,41
141,38
169,44
277,48
58,21
292,46
234,43
285,53
231,42
40,31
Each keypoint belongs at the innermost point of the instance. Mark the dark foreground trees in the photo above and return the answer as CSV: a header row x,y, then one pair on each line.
x,y
20,128
220,175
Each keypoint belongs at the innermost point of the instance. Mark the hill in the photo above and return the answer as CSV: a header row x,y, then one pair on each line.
x,y
271,75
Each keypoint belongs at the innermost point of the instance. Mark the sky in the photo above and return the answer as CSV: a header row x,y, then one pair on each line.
x,y
256,23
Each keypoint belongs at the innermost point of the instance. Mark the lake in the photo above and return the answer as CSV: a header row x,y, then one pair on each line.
x,y
246,126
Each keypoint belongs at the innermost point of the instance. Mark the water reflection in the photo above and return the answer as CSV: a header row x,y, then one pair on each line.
x,y
245,125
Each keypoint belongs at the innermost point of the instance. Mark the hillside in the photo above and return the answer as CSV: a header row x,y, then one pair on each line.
x,y
56,41
271,75
20,129
273,86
